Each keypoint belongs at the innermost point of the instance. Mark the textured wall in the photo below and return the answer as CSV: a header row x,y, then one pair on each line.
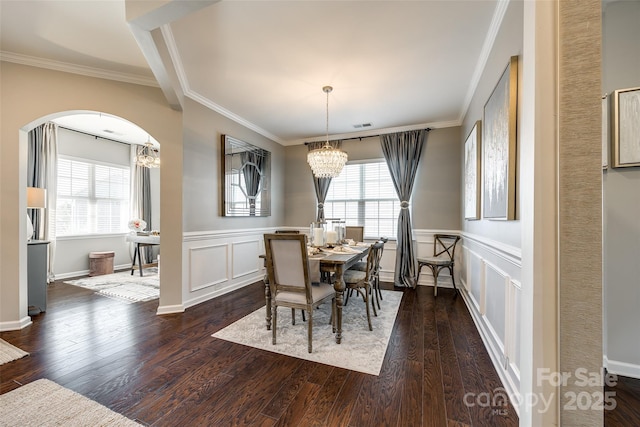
x,y
580,193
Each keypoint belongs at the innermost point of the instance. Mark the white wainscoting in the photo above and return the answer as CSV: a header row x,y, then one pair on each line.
x,y
218,262
487,274
490,275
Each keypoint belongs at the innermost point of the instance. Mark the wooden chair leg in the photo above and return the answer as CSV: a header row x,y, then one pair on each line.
x,y
453,280
376,290
274,319
435,272
371,291
366,301
310,329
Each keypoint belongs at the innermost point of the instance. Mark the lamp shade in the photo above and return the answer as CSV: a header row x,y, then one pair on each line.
x,y
36,197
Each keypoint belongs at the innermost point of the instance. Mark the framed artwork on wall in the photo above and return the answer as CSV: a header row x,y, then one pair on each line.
x,y
605,131
472,147
499,147
626,127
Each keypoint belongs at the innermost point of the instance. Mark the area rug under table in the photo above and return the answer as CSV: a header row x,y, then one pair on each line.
x,y
45,403
124,285
360,350
9,352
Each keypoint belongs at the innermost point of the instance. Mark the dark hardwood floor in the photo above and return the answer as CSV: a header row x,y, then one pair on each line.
x,y
169,371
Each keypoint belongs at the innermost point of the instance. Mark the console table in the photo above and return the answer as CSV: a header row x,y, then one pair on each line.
x,y
37,266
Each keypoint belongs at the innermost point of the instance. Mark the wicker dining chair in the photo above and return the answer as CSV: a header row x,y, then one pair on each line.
x,y
288,269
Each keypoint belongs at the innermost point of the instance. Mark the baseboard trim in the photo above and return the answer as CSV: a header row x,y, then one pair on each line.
x,y
508,384
74,274
15,326
170,309
622,368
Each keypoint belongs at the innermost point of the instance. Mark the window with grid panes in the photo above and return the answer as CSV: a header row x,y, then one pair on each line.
x,y
93,198
363,194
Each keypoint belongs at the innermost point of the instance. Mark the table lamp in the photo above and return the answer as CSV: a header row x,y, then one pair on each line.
x,y
36,199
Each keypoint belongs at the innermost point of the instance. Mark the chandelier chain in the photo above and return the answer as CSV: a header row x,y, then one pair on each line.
x,y
326,162
327,121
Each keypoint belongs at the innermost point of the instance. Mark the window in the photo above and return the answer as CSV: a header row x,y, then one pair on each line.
x,y
363,194
93,198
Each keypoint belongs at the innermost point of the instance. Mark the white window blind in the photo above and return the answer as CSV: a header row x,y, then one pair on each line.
x,y
363,194
93,198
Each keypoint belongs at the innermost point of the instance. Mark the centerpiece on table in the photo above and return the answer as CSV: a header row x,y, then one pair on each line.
x,y
137,226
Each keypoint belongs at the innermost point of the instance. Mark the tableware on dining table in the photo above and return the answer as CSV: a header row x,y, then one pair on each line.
x,y
317,232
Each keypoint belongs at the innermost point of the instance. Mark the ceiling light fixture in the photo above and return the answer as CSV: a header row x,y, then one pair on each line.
x,y
148,156
326,162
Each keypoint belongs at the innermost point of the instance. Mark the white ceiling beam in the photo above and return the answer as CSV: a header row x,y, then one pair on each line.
x,y
144,17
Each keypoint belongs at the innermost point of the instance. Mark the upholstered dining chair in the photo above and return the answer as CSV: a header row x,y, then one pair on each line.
x,y
363,281
354,232
286,231
290,282
444,253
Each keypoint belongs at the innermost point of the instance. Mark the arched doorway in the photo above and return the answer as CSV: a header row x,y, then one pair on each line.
x,y
94,191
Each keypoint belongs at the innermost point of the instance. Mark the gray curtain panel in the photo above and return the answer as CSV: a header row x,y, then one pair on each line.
x,y
321,184
322,188
42,172
141,200
146,208
402,152
252,171
36,165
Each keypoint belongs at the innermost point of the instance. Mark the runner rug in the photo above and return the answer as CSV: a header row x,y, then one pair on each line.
x,y
9,353
45,403
124,286
360,350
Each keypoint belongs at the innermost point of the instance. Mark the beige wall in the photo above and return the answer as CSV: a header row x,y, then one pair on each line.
x,y
436,194
30,96
203,129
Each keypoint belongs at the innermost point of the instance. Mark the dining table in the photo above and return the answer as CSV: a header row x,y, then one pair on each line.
x,y
334,261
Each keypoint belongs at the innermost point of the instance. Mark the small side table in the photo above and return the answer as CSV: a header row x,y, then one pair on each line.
x,y
37,266
141,241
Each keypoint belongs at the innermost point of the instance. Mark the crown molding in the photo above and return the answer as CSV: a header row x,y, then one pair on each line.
x,y
376,132
76,69
492,33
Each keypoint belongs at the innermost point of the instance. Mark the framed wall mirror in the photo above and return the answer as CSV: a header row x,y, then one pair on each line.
x,y
247,174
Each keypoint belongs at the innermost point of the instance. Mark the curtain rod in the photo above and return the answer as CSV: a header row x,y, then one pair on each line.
x,y
366,136
96,136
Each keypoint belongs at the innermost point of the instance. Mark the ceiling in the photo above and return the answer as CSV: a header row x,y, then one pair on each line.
x,y
395,65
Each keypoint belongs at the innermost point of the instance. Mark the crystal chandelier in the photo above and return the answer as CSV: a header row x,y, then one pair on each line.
x,y
148,156
326,162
